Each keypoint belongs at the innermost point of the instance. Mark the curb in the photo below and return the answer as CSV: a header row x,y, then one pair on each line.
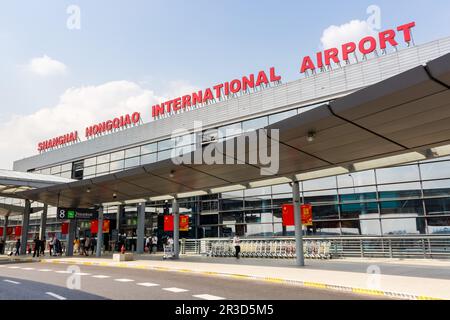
x,y
315,285
18,260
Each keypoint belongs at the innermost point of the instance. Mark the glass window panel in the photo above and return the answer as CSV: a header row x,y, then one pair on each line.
x,y
439,225
320,184
277,215
435,170
166,144
400,191
232,217
90,162
209,219
149,148
259,230
281,116
119,155
325,212
258,202
282,188
325,228
132,162
401,208
67,174
318,197
436,188
232,194
230,130
279,199
117,165
184,140
227,231
133,152
357,179
358,210
66,167
369,227
102,168
257,191
358,194
231,204
439,206
45,171
103,158
148,158
163,155
255,124
178,151
263,216
210,232
89,171
403,226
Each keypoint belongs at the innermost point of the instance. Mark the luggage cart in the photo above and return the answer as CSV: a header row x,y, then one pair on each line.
x,y
168,251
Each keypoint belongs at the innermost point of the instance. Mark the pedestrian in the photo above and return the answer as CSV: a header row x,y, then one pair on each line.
x,y
154,243
43,243
2,246
51,244
82,250
93,245
237,245
148,244
87,245
76,245
58,247
17,247
37,246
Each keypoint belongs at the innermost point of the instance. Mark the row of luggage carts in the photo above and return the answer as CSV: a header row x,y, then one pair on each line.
x,y
282,249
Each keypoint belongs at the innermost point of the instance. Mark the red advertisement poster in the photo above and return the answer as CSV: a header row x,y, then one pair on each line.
x,y
94,226
288,214
1,231
18,230
64,228
306,212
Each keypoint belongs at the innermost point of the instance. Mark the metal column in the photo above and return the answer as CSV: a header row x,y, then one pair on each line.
x,y
43,224
71,237
5,227
300,260
25,226
140,229
100,232
176,228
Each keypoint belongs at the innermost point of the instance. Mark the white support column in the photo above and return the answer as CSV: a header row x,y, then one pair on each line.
x,y
43,225
25,226
300,259
140,229
176,228
100,232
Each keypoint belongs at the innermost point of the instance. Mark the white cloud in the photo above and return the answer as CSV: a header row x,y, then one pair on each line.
x,y
46,66
77,108
335,36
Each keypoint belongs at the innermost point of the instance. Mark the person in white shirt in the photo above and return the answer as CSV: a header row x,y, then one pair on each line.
x,y
154,243
237,245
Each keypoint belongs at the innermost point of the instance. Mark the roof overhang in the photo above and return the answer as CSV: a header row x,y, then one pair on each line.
x,y
401,119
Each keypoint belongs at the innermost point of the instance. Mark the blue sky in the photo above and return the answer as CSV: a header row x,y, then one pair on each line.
x,y
158,44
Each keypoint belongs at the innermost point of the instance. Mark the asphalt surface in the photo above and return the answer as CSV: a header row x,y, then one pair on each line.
x,y
50,281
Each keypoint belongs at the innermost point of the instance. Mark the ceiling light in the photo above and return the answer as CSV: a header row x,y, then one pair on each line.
x,y
110,204
269,182
321,173
192,194
389,161
161,198
234,187
135,201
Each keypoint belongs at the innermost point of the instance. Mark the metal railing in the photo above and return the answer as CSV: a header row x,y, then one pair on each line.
x,y
426,247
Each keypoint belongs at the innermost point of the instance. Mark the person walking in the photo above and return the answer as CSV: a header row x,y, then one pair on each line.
x,y
57,247
237,245
37,247
87,245
43,243
17,247
51,244
76,245
148,244
154,243
93,245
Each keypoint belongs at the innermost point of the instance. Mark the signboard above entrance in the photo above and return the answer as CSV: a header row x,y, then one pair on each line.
x,y
79,214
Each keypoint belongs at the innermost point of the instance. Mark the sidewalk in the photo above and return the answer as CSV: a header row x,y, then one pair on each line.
x,y
398,278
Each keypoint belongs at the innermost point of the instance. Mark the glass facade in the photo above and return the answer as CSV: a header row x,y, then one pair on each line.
x,y
411,199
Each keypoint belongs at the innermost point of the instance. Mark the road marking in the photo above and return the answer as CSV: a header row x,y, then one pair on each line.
x,y
82,274
27,268
175,290
63,271
44,270
208,297
147,284
123,280
54,295
101,277
13,267
13,282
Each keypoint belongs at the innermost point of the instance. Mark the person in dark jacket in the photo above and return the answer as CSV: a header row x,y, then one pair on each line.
x,y
17,247
37,247
93,244
43,243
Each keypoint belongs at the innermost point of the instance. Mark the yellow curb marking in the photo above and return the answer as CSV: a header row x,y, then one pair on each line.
x,y
315,285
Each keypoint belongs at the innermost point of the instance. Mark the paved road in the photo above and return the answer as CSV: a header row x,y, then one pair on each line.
x,y
38,280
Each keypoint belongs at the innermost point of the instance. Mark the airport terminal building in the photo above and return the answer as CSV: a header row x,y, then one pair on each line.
x,y
406,199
